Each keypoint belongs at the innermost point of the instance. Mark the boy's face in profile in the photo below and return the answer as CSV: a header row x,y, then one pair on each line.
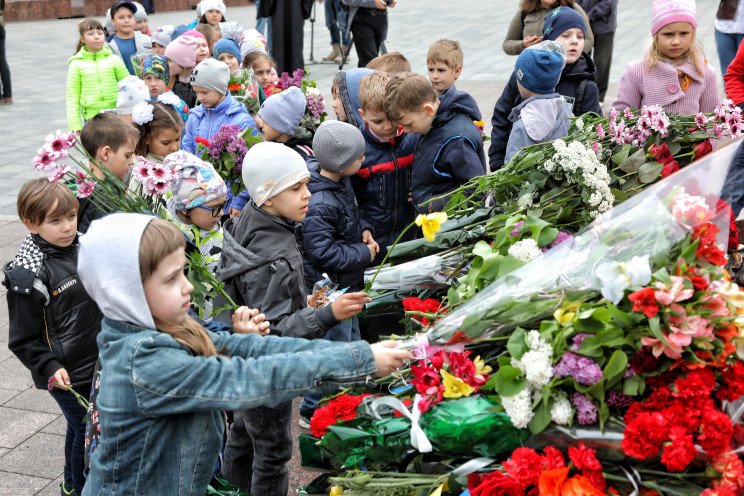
x,y
419,121
379,124
268,132
442,76
338,107
291,203
123,20
354,167
59,230
119,161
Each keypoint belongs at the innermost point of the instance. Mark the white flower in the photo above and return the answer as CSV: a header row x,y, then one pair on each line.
x,y
536,364
525,250
313,91
579,123
615,277
170,98
561,411
142,113
519,408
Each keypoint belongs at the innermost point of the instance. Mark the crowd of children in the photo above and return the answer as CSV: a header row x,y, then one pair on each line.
x,y
320,206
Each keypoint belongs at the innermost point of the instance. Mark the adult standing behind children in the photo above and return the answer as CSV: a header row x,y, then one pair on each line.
x,y
127,41
92,76
602,16
526,28
6,95
576,83
729,29
368,23
287,31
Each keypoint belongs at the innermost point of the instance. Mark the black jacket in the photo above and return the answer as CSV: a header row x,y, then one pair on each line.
x,y
53,321
569,86
186,93
330,237
262,268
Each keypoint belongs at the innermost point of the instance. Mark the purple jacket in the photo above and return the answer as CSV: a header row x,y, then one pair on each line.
x,y
660,86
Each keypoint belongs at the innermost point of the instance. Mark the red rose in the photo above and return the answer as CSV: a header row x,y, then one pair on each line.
x,y
644,301
669,168
426,379
524,466
703,148
493,483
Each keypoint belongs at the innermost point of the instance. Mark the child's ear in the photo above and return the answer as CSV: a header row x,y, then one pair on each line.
x,y
430,109
33,228
457,72
104,153
361,114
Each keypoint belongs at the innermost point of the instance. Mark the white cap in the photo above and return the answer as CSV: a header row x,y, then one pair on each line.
x,y
269,168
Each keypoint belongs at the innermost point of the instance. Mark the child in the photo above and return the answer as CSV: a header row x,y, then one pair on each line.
x,y
674,72
127,42
444,63
263,68
204,41
543,114
383,184
132,90
142,23
262,266
92,76
156,75
181,55
279,118
161,38
213,12
160,135
110,141
449,151
53,323
227,51
390,63
209,80
576,84
164,374
333,239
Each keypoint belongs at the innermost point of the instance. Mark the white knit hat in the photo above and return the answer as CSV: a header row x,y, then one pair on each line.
x,y
269,168
207,5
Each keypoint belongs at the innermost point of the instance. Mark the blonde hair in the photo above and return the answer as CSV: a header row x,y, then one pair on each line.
x,y
334,87
391,62
447,52
694,54
159,239
38,196
372,92
407,92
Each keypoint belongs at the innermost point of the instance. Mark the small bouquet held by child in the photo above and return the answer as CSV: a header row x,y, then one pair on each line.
x,y
225,151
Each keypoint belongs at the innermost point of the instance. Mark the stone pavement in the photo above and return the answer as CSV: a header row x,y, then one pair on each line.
x,y
32,434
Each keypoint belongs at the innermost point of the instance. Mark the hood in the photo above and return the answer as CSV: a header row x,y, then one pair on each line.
x,y
108,265
348,90
319,183
84,54
539,114
583,68
453,101
252,227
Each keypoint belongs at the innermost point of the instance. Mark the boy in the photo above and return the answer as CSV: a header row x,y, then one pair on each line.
x,y
444,63
53,323
279,119
383,184
226,50
127,41
332,239
543,114
262,265
449,151
111,141
390,63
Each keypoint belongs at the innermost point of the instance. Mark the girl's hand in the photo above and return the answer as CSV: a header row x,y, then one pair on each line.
x,y
349,304
61,377
249,321
388,357
531,40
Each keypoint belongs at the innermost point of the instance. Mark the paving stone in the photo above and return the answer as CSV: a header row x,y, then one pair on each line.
x,y
36,400
22,485
52,489
13,375
58,426
7,395
19,425
41,455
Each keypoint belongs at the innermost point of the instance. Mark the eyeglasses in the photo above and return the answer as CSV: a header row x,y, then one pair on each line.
x,y
216,210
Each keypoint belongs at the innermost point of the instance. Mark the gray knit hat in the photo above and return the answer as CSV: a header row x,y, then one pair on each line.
x,y
283,111
269,168
337,145
212,75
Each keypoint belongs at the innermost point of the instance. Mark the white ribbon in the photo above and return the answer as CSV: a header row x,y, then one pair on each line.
x,y
473,465
418,438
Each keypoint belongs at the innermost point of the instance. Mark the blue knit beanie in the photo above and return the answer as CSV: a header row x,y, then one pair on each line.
x,y
539,67
560,20
227,45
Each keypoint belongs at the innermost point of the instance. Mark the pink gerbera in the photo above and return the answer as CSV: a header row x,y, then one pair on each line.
x,y
85,188
58,173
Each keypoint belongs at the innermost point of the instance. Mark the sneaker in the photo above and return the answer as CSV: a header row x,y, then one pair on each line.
x,y
304,422
64,491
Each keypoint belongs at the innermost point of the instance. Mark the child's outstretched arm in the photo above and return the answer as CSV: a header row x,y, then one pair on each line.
x,y
629,91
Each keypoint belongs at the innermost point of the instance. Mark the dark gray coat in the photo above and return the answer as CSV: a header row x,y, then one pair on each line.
x,y
602,15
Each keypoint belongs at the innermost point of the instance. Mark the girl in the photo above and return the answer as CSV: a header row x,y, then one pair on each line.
x,y
160,136
208,32
92,76
181,55
674,72
213,12
227,51
156,75
167,379
202,44
263,66
527,25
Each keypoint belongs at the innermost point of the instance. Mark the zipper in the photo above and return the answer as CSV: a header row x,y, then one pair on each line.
x,y
395,195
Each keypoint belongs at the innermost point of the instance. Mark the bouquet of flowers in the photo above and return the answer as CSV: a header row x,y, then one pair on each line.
x,y
315,112
225,151
244,88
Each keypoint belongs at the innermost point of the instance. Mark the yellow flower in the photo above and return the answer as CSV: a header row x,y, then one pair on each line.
x,y
566,314
431,223
337,491
479,123
481,367
454,387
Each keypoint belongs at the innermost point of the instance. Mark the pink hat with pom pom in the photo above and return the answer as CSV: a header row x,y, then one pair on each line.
x,y
668,11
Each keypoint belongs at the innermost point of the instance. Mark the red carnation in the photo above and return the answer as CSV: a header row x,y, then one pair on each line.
x,y
524,466
341,408
696,384
733,382
493,483
679,453
644,301
643,435
644,361
552,458
202,141
716,432
584,458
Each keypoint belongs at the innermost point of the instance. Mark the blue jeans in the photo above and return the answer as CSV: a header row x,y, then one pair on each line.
x,y
733,186
345,332
727,45
335,16
264,24
75,439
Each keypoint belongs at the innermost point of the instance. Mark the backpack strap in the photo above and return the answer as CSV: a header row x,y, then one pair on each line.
x,y
580,96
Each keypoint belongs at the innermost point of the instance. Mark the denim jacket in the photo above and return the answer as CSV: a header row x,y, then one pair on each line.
x,y
159,405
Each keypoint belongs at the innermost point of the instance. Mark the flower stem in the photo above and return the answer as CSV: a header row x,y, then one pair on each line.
x,y
368,286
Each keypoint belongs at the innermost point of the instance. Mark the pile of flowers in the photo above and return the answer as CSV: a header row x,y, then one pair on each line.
x,y
155,179
338,409
226,151
421,310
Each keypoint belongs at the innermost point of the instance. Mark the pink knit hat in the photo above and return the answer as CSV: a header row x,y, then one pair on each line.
x,y
194,32
668,11
182,51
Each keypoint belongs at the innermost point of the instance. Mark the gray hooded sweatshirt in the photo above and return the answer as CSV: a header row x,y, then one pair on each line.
x,y
538,119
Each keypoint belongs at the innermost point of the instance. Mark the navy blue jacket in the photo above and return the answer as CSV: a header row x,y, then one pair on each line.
x,y
450,154
568,87
330,237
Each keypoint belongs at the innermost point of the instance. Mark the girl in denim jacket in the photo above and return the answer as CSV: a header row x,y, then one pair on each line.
x,y
167,379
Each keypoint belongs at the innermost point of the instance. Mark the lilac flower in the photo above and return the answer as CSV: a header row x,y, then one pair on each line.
x,y
585,409
315,105
578,339
517,229
560,239
219,141
284,81
297,78
619,400
583,369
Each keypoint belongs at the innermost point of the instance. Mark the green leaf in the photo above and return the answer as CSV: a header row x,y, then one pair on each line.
x,y
633,385
508,381
675,147
615,368
621,318
649,172
542,418
516,345
620,196
653,325
634,162
622,155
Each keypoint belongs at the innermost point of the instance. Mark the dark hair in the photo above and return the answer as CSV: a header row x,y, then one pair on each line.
x,y
107,130
164,116
38,196
86,25
252,57
529,6
203,19
208,32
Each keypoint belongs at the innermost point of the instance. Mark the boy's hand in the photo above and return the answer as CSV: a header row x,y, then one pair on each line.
x,y
531,40
233,212
349,304
61,377
388,357
368,240
249,321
